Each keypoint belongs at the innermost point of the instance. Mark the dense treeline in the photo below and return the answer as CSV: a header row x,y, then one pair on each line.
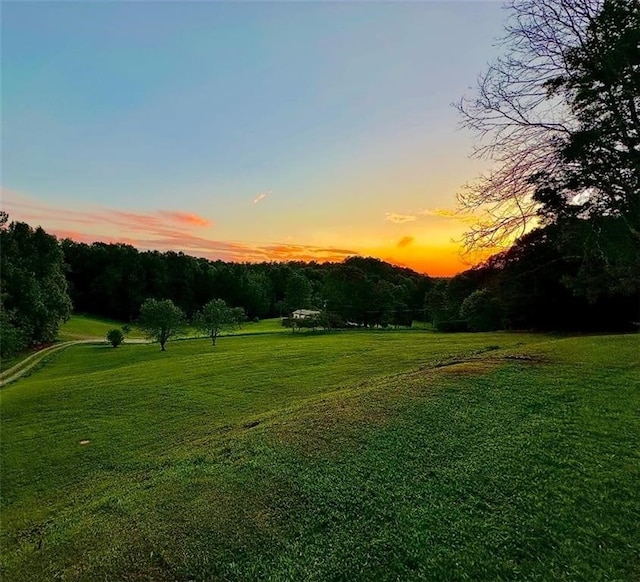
x,y
573,276
112,280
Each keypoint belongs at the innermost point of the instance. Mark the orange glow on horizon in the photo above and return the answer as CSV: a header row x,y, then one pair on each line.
x,y
425,248
436,261
432,261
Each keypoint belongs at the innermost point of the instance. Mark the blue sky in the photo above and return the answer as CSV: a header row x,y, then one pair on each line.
x,y
339,113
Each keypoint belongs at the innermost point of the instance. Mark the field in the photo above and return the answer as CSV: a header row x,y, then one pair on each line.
x,y
87,327
391,455
90,327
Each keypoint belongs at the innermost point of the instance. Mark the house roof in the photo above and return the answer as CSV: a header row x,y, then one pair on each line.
x,y
306,312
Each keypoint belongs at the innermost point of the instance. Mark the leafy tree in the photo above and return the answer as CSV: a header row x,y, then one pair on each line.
x,y
115,337
214,318
161,320
33,289
435,301
349,293
254,293
528,281
329,320
481,311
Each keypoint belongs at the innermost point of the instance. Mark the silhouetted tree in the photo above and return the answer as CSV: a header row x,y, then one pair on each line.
x,y
297,292
558,115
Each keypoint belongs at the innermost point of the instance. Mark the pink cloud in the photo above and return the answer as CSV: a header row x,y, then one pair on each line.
x,y
185,218
160,222
160,230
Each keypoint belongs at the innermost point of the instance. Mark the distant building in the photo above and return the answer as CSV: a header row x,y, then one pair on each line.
x,y
305,313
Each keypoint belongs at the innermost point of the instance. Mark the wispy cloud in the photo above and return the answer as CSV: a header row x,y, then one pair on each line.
x,y
444,213
288,252
441,212
405,241
185,218
158,230
448,214
261,196
399,218
158,222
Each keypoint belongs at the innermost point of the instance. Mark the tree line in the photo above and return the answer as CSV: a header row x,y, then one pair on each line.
x,y
113,280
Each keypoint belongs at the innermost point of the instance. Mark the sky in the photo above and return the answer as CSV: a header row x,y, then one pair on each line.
x,y
245,131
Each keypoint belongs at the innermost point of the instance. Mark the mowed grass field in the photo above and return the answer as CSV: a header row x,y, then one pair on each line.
x,y
391,455
80,327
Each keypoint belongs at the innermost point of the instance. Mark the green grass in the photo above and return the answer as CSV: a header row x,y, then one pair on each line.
x,y
273,325
89,327
342,456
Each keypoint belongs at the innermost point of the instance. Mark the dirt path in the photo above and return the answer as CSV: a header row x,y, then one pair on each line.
x,y
21,368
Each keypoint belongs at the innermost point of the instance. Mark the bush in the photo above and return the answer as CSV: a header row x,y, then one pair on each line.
x,y
115,337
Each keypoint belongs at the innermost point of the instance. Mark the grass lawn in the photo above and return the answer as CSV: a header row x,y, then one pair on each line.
x,y
89,327
384,455
273,325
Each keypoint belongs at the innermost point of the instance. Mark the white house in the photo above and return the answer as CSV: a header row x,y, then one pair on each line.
x,y
305,313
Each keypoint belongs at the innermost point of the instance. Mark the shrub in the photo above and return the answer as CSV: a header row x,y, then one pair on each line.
x,y
115,337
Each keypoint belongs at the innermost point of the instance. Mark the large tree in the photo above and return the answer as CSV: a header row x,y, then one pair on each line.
x,y
601,156
33,293
558,117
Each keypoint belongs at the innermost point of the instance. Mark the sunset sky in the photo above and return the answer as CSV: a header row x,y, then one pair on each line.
x,y
245,131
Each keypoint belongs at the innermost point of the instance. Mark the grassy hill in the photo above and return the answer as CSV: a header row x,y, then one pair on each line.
x,y
89,327
355,456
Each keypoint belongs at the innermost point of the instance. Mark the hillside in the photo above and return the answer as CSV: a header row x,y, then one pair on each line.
x,y
391,455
